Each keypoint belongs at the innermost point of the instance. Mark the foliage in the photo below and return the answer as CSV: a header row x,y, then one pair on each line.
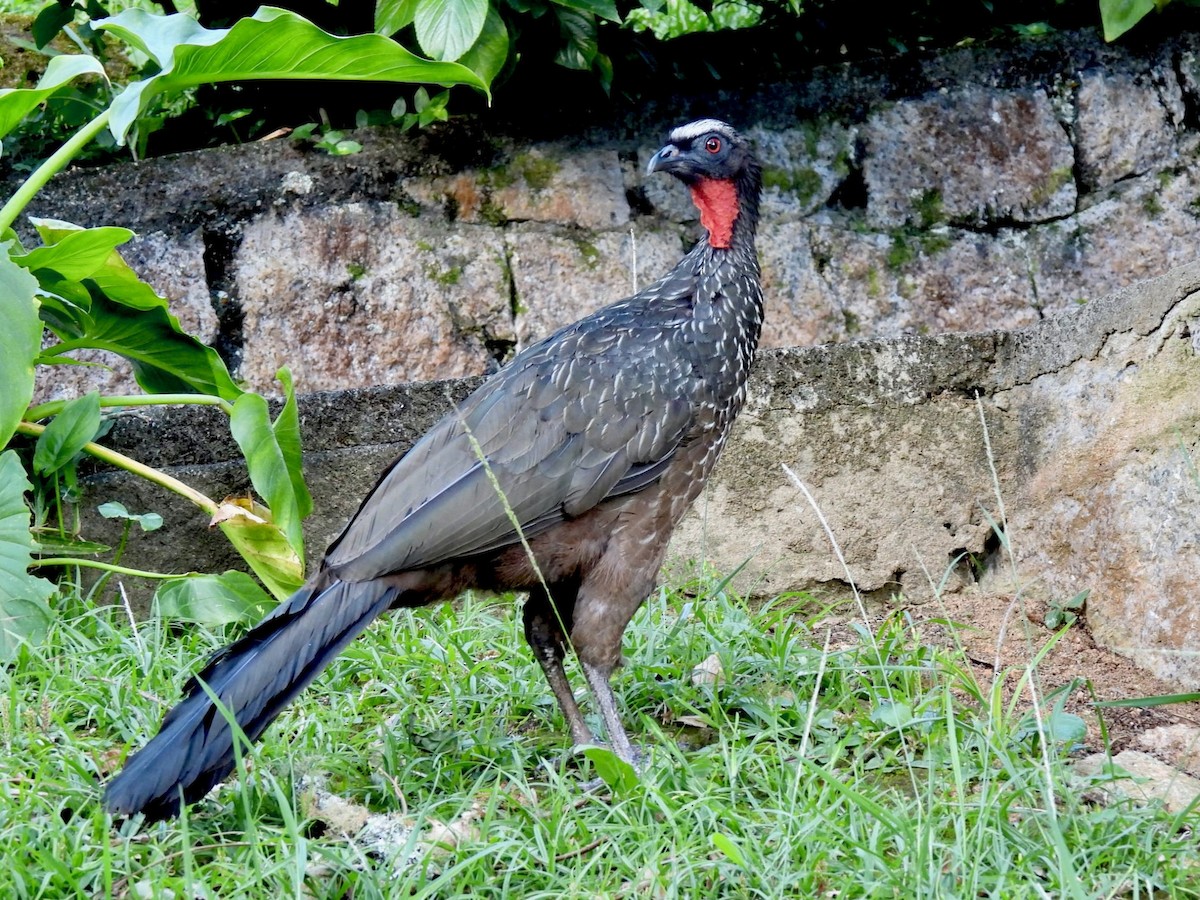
x,y
1119,16
495,39
1066,612
675,18
477,32
24,615
426,110
75,286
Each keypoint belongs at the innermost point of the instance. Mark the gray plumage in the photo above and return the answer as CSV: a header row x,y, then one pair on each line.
x,y
599,438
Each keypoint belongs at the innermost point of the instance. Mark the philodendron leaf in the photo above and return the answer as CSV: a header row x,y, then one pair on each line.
x,y
1119,16
24,616
210,600
446,29
50,21
271,44
578,31
110,272
20,342
490,51
392,15
66,434
605,9
17,103
166,360
263,545
73,253
273,457
94,300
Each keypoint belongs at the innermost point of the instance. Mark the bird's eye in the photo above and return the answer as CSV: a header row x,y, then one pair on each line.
x,y
713,145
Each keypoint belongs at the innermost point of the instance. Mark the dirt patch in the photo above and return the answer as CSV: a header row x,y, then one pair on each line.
x,y
996,634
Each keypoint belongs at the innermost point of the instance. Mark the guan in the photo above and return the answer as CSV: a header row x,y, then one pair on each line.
x,y
595,440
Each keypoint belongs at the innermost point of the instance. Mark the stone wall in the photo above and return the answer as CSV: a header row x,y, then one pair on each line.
x,y
982,188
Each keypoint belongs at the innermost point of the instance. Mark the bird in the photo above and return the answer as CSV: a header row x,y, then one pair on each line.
x,y
562,476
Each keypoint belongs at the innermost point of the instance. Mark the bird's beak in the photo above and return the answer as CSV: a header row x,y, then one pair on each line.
x,y
661,161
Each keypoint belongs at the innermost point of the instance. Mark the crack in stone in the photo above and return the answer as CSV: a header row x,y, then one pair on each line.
x,y
220,246
514,299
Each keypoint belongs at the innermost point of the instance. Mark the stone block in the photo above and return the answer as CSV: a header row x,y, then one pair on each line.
x,y
825,282
1179,744
548,183
1125,124
362,293
1144,226
969,156
1102,493
802,166
1146,780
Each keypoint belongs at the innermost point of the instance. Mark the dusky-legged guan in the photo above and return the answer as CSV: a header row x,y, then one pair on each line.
x,y
599,437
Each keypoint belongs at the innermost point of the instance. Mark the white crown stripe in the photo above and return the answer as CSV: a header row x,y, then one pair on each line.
x,y
693,130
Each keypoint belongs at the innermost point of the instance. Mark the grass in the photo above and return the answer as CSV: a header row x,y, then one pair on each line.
x,y
875,766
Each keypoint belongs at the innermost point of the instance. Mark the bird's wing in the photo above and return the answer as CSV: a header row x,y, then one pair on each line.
x,y
595,411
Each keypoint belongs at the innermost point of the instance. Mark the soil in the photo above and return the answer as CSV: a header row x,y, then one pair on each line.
x,y
994,633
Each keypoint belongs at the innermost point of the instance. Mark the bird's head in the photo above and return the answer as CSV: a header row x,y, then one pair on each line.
x,y
719,167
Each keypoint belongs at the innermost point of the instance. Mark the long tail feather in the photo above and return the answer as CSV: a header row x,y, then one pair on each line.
x,y
255,678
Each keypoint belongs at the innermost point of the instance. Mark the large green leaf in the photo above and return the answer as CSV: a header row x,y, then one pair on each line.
x,y
211,600
490,51
166,360
50,21
93,299
605,9
287,434
622,778
273,457
263,545
272,44
1119,16
20,341
107,270
446,29
17,103
66,434
74,253
392,15
24,616
64,310
578,31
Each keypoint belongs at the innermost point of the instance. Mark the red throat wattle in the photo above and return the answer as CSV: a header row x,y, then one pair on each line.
x,y
718,204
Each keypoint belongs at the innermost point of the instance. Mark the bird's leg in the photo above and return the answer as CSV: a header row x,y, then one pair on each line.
x,y
546,639
597,677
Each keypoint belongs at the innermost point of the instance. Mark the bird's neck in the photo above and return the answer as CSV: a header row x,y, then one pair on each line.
x,y
728,208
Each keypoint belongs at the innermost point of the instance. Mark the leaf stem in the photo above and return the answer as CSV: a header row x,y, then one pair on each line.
x,y
97,564
54,407
132,465
51,167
